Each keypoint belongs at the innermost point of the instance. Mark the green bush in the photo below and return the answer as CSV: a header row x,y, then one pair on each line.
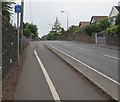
x,y
117,21
81,29
104,23
114,29
26,32
92,29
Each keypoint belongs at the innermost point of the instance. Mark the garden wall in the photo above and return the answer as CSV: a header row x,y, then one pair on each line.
x,y
83,37
112,40
9,46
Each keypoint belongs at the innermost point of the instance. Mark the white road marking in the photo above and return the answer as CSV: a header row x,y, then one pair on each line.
x,y
88,66
111,57
50,84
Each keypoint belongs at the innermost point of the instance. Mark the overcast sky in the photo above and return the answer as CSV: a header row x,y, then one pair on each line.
x,y
43,14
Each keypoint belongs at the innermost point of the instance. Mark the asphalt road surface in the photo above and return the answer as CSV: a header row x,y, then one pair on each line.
x,y
104,60
45,76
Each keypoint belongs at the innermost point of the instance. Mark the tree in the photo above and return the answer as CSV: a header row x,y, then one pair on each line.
x,y
118,19
7,8
92,29
26,32
114,29
33,28
25,25
30,30
57,26
104,23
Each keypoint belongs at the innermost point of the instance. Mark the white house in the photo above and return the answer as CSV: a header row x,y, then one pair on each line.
x,y
114,12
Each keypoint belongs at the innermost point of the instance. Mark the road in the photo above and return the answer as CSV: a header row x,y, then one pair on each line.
x,y
45,76
104,60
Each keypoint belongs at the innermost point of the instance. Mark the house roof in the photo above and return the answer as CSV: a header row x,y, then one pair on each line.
x,y
118,8
97,18
84,23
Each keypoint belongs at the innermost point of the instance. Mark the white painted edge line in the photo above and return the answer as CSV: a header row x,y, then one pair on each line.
x,y
87,66
111,57
50,84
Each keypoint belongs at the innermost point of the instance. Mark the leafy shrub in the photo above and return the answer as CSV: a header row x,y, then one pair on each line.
x,y
114,29
81,29
104,23
26,32
118,19
92,29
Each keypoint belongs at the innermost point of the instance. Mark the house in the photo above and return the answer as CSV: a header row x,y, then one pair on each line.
x,y
114,12
96,18
84,23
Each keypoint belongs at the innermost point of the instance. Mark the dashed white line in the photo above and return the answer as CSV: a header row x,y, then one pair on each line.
x,y
50,84
111,57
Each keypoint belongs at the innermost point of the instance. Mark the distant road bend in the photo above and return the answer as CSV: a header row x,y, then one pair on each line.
x,y
104,60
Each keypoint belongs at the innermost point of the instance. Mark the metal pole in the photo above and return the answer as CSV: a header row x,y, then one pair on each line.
x,y
67,21
18,34
67,24
21,26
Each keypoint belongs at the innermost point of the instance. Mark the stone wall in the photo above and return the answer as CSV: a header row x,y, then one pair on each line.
x,y
112,40
9,46
0,48
83,37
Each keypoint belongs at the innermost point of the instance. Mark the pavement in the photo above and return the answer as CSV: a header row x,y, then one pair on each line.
x,y
45,71
32,84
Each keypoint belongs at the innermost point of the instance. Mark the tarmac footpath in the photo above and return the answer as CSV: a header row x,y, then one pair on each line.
x,y
32,84
45,76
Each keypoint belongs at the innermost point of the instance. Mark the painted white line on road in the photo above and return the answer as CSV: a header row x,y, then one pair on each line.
x,y
111,57
50,84
87,66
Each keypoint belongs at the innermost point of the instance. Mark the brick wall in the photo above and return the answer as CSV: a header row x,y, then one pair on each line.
x,y
9,46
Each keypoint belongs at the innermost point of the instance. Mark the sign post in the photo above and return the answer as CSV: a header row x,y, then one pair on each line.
x,y
18,9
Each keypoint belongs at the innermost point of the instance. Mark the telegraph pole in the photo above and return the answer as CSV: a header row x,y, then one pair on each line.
x,y
21,26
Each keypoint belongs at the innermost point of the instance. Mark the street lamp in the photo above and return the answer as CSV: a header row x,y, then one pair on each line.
x,y
67,17
67,21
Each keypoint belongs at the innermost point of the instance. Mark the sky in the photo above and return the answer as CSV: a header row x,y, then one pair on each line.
x,y
43,13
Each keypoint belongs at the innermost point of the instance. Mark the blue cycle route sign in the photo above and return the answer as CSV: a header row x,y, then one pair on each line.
x,y
18,9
